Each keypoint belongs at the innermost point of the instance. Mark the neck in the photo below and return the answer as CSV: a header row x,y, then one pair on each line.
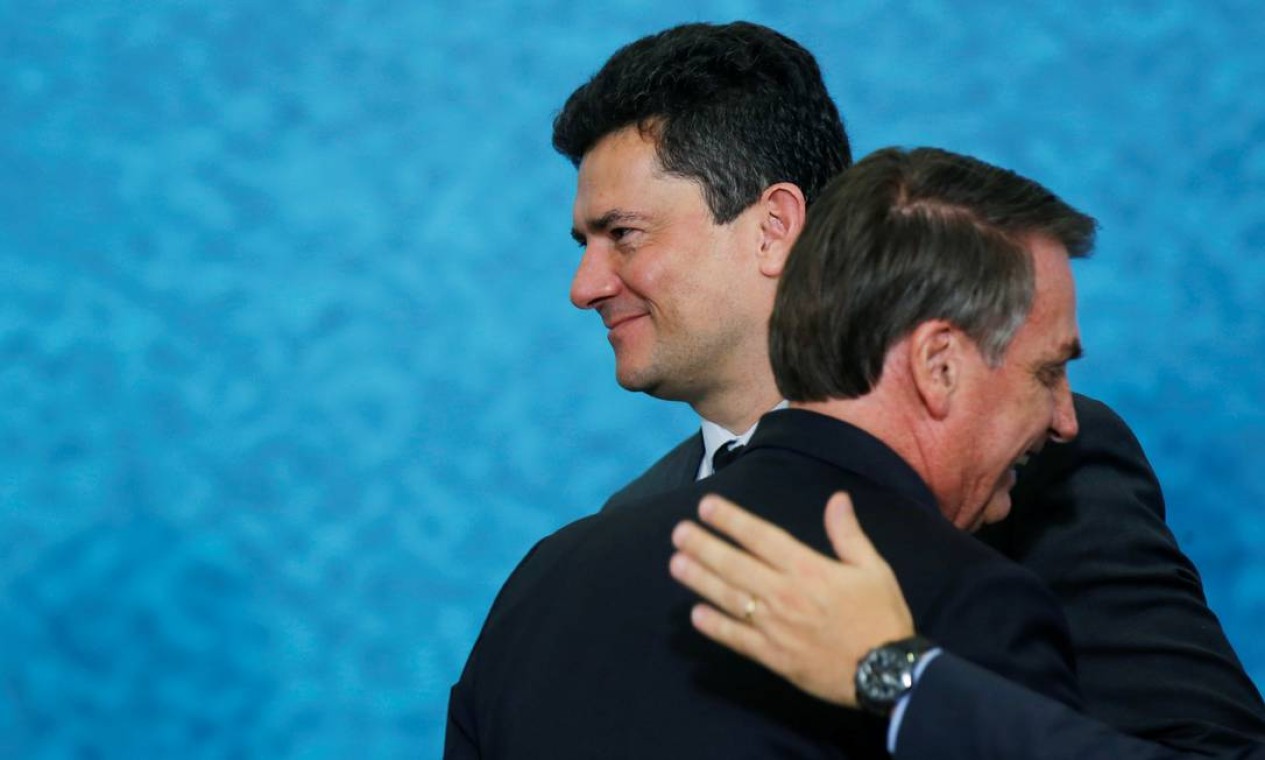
x,y
880,413
737,406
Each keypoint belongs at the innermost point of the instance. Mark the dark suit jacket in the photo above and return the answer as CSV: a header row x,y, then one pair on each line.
x,y
588,650
1088,519
961,712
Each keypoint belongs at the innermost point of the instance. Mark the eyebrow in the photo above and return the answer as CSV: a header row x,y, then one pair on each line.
x,y
604,222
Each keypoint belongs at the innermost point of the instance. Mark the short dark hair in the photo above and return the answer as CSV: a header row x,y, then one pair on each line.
x,y
737,108
901,238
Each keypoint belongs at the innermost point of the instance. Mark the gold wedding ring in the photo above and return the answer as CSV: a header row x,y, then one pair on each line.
x,y
748,612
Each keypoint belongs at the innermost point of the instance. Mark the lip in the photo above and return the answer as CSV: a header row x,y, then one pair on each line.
x,y
618,322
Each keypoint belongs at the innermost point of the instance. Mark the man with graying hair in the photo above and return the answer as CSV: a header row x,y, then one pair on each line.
x,y
588,650
683,275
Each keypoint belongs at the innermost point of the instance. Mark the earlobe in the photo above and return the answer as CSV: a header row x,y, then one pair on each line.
x,y
934,360
783,212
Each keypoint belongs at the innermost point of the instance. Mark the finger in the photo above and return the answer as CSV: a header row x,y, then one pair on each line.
x,y
726,631
713,588
764,540
846,535
731,564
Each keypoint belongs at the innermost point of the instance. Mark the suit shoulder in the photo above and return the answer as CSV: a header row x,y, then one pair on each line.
x,y
1100,423
672,470
539,561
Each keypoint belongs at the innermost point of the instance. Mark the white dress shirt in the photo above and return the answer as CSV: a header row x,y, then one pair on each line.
x,y
715,436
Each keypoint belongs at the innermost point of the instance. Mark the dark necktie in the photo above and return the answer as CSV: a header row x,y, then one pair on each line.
x,y
726,454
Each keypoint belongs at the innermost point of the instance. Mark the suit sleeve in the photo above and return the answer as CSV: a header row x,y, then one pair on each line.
x,y
959,711
1152,658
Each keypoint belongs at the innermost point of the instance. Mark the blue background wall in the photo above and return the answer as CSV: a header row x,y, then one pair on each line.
x,y
288,376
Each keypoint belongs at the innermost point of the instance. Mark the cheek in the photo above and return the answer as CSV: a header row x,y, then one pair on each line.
x,y
643,273
1039,408
1022,409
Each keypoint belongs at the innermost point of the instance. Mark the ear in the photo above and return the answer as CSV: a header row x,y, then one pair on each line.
x,y
782,213
936,364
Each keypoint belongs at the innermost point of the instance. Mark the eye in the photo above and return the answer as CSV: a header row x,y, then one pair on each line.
x,y
619,233
1051,374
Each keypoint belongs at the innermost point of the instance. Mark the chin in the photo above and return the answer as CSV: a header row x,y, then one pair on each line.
x,y
997,508
631,376
994,510
641,382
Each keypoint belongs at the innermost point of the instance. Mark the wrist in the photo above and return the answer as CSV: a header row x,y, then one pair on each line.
x,y
887,673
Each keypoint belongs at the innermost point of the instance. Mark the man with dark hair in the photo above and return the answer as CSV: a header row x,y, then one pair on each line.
x,y
741,113
588,649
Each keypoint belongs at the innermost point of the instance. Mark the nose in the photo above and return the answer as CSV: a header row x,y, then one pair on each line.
x,y
1063,426
594,279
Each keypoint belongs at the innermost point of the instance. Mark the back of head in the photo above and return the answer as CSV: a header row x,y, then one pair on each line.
x,y
737,107
901,238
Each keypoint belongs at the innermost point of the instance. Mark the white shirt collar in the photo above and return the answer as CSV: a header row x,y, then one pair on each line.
x,y
715,436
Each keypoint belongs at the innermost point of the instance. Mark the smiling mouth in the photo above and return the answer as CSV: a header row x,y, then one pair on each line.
x,y
623,320
1027,456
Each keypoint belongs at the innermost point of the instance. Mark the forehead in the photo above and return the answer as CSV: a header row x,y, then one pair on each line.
x,y
622,171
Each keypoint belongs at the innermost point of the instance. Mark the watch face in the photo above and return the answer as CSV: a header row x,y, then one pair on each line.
x,y
894,674
890,675
887,673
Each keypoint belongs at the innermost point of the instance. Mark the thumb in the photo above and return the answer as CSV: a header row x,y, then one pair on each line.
x,y
846,536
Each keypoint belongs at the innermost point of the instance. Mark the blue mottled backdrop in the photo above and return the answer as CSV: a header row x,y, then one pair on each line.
x,y
288,376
